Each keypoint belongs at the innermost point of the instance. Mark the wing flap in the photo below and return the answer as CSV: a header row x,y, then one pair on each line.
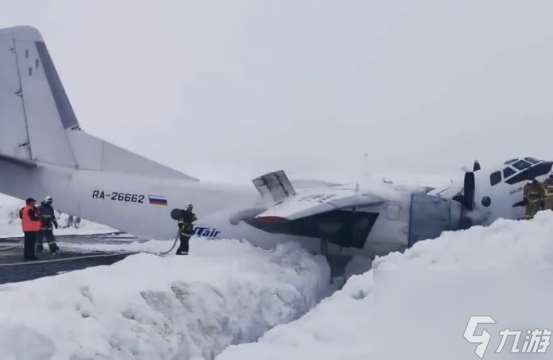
x,y
274,185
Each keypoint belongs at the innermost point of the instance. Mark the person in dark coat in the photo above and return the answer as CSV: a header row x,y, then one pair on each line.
x,y
48,219
186,230
548,186
31,225
534,197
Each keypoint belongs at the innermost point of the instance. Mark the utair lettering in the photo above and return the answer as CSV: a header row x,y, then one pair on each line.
x,y
206,232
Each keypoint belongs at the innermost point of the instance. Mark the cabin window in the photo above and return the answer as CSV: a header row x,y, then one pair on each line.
x,y
495,178
507,172
486,201
521,164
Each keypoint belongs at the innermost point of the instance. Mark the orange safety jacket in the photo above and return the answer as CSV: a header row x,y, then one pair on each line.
x,y
28,222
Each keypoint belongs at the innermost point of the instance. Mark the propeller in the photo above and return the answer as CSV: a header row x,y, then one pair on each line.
x,y
469,191
467,199
469,194
470,187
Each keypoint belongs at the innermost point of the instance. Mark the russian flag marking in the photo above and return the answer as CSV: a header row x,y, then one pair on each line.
x,y
157,200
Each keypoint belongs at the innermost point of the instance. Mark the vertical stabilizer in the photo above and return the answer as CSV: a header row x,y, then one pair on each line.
x,y
35,110
38,124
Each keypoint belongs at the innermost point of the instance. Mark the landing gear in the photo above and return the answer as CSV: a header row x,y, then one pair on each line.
x,y
336,264
342,264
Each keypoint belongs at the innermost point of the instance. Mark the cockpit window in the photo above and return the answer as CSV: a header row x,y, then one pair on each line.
x,y
510,161
532,160
495,178
508,172
521,164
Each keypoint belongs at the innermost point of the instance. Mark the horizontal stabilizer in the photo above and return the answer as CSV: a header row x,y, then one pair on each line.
x,y
93,153
18,161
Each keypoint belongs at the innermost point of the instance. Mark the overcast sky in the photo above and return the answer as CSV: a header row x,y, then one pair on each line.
x,y
231,89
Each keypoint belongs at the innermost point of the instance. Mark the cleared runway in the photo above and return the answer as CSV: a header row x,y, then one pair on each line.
x,y
14,269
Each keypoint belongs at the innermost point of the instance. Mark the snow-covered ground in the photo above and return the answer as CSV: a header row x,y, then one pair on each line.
x,y
412,306
417,305
148,307
10,225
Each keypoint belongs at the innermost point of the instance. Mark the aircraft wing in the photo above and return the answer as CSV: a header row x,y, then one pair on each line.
x,y
316,202
332,212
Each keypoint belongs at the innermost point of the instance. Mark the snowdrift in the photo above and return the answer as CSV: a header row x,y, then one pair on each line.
x,y
147,307
416,305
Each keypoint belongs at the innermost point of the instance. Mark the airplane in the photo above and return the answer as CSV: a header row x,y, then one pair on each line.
x,y
44,151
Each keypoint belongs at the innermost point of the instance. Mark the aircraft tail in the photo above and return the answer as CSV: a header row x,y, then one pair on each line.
x,y
37,122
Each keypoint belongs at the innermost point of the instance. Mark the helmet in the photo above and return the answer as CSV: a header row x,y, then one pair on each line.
x,y
189,207
30,201
48,199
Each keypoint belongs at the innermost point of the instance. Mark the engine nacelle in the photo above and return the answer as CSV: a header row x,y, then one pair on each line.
x,y
431,215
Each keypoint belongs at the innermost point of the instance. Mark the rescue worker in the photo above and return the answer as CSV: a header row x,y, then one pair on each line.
x,y
69,222
48,219
31,225
548,185
534,197
186,229
72,221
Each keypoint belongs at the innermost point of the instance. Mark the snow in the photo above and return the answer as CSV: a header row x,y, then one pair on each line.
x,y
10,224
126,245
233,301
149,307
416,305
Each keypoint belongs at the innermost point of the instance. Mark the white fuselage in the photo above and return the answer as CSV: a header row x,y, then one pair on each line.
x,y
504,186
44,151
141,205
122,201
